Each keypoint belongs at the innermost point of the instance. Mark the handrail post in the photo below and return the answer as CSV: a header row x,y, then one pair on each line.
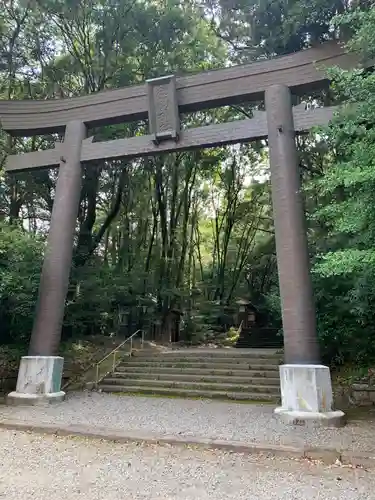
x,y
97,375
114,354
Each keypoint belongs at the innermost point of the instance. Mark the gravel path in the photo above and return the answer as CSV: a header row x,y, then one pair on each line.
x,y
46,467
192,418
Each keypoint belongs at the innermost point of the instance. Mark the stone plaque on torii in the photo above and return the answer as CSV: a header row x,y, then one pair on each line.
x,y
305,383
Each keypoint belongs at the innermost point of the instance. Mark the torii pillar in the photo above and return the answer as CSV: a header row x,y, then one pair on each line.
x,y
306,388
40,373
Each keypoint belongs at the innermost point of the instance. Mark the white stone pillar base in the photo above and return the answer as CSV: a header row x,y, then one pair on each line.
x,y
39,381
306,396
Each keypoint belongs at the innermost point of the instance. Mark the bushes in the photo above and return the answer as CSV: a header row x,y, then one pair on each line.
x,y
90,306
20,265
345,318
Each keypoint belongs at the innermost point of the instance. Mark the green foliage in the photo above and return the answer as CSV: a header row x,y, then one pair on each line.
x,y
231,337
344,267
20,264
273,27
360,23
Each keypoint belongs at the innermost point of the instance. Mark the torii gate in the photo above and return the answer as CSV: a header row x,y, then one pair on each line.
x,y
305,383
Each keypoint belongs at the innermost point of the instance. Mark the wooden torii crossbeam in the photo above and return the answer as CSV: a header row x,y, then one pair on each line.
x,y
162,100
238,131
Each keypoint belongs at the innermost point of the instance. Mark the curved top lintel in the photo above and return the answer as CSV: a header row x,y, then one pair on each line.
x,y
300,71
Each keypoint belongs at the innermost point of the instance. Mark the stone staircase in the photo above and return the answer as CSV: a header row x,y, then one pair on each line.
x,y
237,374
258,337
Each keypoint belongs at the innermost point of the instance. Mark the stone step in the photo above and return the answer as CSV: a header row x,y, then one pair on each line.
x,y
205,386
212,361
173,371
191,393
154,363
236,374
230,354
196,378
251,344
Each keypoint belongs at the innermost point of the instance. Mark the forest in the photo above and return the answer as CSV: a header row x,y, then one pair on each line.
x,y
190,231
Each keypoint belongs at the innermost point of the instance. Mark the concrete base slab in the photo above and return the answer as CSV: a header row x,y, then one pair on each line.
x,y
329,419
39,381
16,398
306,396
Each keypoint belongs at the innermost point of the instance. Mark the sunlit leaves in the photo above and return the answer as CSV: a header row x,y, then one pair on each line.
x,y
345,262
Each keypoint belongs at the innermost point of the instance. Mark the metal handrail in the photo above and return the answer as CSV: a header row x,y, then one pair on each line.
x,y
114,352
240,328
